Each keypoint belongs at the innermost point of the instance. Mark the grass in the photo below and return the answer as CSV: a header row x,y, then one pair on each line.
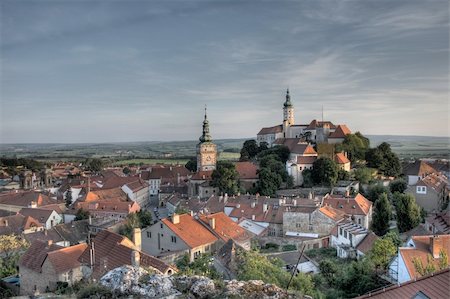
x,y
150,161
225,156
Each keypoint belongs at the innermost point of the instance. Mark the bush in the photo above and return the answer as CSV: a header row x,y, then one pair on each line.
x,y
289,247
94,291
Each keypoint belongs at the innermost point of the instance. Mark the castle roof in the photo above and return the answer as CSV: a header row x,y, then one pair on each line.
x,y
271,130
341,132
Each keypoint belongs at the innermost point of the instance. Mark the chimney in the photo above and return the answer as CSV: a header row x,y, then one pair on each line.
x,y
310,195
253,204
265,207
49,242
137,238
45,232
220,198
238,205
135,258
253,217
33,205
175,218
192,213
5,222
294,202
225,198
435,246
212,222
347,193
170,168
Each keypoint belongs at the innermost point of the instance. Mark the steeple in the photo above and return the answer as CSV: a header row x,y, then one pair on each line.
x,y
206,137
288,103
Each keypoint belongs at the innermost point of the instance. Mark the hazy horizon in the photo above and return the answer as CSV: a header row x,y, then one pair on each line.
x,y
120,71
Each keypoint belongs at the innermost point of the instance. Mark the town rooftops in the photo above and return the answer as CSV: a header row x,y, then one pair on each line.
x,y
137,185
358,205
309,160
189,230
41,215
352,227
341,158
112,250
271,130
340,132
440,222
66,258
424,246
296,146
16,224
434,286
314,124
125,207
332,213
25,198
418,168
224,227
203,175
367,243
165,173
437,182
74,233
247,170
36,254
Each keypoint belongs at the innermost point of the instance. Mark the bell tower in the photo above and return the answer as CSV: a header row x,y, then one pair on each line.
x,y
288,115
206,149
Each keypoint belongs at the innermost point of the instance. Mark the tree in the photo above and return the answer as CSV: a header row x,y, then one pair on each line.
x,y
384,160
269,182
94,164
225,177
394,237
375,191
422,269
191,165
343,175
356,145
11,247
68,197
363,175
398,185
383,250
381,215
307,178
325,172
126,170
408,212
443,260
249,150
81,215
280,150
329,270
145,218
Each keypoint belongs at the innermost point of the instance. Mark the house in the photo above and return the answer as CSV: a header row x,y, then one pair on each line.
x,y
434,286
342,161
248,175
138,191
44,264
165,176
180,233
48,218
358,208
65,234
347,237
431,192
110,250
199,184
226,229
415,171
113,209
338,136
366,244
418,249
438,223
16,200
19,224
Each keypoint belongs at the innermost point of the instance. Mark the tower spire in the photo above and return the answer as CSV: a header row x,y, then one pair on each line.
x,y
206,137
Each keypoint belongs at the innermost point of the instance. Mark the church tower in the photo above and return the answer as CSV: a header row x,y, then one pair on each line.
x,y
206,150
288,115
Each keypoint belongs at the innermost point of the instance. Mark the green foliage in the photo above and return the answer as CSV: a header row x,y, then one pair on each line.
x,y
81,214
249,150
94,290
443,260
394,237
225,177
253,265
325,172
202,265
94,164
280,150
289,247
383,250
375,191
182,210
356,145
270,247
68,197
191,165
11,247
408,212
343,175
429,268
269,182
140,219
363,175
381,215
358,278
384,160
398,185
329,269
12,163
145,218
126,170
307,178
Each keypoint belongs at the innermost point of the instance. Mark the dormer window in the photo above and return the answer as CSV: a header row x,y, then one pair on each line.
x,y
421,190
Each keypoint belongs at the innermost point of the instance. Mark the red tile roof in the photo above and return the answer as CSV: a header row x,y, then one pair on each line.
x,y
296,146
25,198
418,168
190,231
332,213
40,215
203,175
306,160
108,206
435,181
16,224
340,158
113,250
225,228
137,185
271,130
66,258
358,205
434,286
247,170
314,124
367,243
36,254
340,132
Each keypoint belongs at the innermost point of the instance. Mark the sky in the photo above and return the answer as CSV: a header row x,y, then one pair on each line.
x,y
118,71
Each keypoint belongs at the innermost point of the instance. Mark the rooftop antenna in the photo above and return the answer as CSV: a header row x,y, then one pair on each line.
x,y
322,113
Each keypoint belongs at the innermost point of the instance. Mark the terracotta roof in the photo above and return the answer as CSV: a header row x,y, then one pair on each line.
x,y
296,146
36,254
314,124
40,215
332,213
306,160
340,132
107,206
165,173
418,168
54,207
340,158
440,222
358,205
247,170
25,198
66,258
435,181
271,130
137,185
367,243
116,194
434,286
225,228
421,251
202,175
16,224
190,231
113,250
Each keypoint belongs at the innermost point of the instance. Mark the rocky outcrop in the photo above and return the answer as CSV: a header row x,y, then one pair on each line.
x,y
128,280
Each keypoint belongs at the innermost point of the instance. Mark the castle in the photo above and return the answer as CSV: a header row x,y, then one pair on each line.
x,y
314,132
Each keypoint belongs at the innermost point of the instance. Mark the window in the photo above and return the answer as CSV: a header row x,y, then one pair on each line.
x,y
298,225
340,231
161,225
174,239
421,189
359,221
149,234
345,234
350,237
